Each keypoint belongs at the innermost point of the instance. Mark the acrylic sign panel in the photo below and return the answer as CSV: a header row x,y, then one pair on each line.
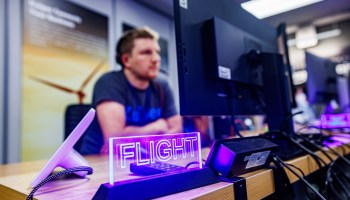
x,y
140,156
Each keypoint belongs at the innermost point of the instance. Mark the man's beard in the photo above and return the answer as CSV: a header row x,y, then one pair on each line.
x,y
146,77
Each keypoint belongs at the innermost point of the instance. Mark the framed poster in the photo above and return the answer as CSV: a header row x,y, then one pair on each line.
x,y
65,50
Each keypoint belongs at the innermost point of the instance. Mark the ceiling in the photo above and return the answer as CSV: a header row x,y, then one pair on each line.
x,y
327,11
321,15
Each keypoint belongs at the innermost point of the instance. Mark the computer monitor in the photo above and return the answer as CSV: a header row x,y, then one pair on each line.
x,y
282,42
228,64
321,84
213,41
343,84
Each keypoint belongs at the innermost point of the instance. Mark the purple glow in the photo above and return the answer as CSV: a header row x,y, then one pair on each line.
x,y
139,160
199,152
178,149
166,154
335,121
126,154
111,167
192,141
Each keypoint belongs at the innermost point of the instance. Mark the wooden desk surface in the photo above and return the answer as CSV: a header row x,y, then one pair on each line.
x,y
15,180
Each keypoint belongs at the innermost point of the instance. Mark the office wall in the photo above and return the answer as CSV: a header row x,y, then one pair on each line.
x,y
118,11
64,57
105,7
2,81
13,82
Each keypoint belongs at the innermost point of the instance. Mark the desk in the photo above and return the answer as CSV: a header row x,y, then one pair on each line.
x,y
15,180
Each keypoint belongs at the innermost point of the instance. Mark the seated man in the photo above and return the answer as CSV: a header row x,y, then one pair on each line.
x,y
131,101
198,124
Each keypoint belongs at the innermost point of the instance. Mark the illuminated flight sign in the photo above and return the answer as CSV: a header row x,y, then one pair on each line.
x,y
152,154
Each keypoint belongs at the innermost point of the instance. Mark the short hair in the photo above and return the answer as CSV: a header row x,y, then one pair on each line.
x,y
126,42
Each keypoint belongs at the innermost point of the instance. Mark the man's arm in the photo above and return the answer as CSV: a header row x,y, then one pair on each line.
x,y
169,112
111,117
174,124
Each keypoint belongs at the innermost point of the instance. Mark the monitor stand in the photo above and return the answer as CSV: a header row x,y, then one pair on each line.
x,y
279,112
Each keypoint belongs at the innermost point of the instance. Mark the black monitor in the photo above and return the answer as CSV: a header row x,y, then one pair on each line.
x,y
228,64
321,80
343,84
282,41
214,39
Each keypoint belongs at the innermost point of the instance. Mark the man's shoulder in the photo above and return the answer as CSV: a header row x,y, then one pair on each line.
x,y
111,74
110,79
163,84
161,81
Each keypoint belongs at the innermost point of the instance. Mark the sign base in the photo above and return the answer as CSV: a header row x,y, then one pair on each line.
x,y
157,185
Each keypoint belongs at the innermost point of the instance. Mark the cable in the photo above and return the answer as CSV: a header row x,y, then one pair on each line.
x,y
312,154
281,181
338,154
276,158
309,127
331,172
235,129
191,163
344,183
320,128
328,156
58,174
316,146
302,173
230,87
317,159
297,168
285,121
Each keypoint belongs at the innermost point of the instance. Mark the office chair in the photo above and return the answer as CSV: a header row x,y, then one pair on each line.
x,y
73,114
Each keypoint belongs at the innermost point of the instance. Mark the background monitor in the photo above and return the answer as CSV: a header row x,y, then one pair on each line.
x,y
214,39
343,84
282,42
65,156
321,85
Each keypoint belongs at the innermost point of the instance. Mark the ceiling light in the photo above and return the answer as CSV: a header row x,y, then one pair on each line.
x,y
329,34
342,68
306,37
266,8
320,36
299,77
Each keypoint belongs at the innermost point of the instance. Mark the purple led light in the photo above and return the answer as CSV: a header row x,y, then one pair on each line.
x,y
111,166
335,121
179,149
